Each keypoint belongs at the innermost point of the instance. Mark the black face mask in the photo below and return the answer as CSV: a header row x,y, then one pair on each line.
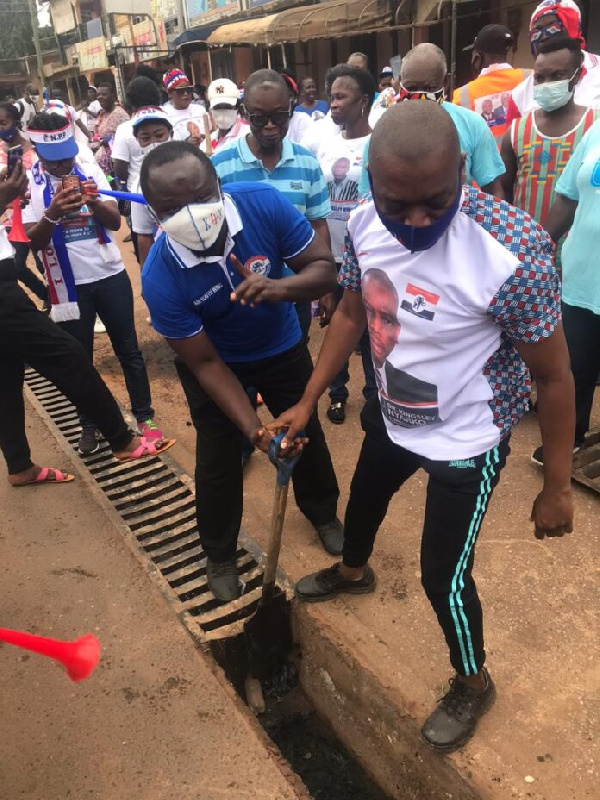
x,y
417,238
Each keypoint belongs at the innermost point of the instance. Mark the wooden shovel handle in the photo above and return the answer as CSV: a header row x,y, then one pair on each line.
x,y
279,506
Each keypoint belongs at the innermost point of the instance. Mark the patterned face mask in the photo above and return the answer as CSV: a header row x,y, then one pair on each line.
x,y
437,97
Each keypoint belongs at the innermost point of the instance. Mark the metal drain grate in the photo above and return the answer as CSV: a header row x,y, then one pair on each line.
x,y
586,463
157,506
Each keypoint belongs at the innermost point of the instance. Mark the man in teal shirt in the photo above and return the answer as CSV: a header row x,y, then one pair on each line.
x,y
424,76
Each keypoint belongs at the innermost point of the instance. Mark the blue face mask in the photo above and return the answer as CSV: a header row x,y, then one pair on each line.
x,y
424,237
8,134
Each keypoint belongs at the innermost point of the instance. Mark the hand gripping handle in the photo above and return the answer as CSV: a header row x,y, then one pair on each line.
x,y
285,466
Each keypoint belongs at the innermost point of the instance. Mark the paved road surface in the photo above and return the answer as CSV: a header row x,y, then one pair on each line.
x,y
153,722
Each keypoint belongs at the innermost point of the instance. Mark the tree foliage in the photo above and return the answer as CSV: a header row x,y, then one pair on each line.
x,y
16,37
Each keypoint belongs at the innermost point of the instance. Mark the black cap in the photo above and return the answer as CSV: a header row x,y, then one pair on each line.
x,y
492,39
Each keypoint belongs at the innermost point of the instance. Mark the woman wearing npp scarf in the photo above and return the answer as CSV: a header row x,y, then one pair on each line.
x,y
86,276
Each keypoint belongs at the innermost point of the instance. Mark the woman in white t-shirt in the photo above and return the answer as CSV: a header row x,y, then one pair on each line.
x,y
340,156
185,117
70,223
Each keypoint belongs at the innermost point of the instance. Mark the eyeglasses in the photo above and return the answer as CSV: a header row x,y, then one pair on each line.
x,y
550,30
183,90
278,118
408,94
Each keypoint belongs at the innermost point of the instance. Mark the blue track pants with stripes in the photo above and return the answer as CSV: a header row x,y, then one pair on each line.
x,y
458,493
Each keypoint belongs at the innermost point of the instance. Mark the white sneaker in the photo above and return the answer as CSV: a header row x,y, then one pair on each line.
x,y
99,326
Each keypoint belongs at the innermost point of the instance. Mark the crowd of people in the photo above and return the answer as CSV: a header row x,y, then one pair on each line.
x,y
423,233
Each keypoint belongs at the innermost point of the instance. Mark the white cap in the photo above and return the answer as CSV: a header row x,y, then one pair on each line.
x,y
223,92
149,114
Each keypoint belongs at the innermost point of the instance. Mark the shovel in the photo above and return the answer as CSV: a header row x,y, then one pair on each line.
x,y
268,633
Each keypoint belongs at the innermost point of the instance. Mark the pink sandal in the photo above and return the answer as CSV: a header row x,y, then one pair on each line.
x,y
149,448
49,476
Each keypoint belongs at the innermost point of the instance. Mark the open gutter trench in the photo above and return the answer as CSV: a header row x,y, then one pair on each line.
x,y
337,727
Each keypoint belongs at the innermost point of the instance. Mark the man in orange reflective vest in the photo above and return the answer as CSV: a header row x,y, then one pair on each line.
x,y
495,78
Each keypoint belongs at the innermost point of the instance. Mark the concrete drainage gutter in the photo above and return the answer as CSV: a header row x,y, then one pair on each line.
x,y
370,721
153,501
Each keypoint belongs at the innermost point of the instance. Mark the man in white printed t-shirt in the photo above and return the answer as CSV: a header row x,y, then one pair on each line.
x,y
478,303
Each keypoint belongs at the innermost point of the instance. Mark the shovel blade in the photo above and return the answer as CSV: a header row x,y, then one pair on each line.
x,y
268,635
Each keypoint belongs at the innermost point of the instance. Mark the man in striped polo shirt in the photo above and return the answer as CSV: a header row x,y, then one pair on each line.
x,y
266,154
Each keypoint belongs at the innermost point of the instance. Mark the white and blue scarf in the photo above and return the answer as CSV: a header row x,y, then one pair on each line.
x,y
55,256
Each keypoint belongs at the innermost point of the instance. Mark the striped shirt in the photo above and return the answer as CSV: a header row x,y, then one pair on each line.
x,y
297,175
541,160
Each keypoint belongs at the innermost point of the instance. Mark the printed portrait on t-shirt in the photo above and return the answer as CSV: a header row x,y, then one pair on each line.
x,y
380,300
501,110
342,188
493,108
405,400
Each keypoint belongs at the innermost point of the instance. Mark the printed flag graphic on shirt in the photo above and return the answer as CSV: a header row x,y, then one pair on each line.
x,y
420,302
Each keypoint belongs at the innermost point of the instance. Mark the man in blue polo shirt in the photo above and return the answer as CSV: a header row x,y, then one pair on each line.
x,y
215,288
266,154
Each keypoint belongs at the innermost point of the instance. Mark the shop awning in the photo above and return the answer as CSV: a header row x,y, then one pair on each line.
x,y
200,34
251,31
324,20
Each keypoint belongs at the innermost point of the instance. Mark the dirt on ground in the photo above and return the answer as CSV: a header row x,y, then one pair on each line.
x,y
540,599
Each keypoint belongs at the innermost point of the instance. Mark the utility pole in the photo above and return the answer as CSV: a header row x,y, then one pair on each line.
x,y
36,38
454,14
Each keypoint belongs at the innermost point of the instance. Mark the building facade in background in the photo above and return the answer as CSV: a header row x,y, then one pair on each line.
x,y
104,39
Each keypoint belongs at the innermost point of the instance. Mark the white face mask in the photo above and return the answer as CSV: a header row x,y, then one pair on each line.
x,y
34,98
554,95
225,118
196,226
148,148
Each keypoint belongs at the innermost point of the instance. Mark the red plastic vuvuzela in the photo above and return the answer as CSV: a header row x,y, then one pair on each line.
x,y
80,658
17,231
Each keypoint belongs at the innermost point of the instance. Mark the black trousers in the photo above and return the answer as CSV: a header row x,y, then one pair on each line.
x,y
112,300
458,493
27,277
338,389
29,337
582,331
281,380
